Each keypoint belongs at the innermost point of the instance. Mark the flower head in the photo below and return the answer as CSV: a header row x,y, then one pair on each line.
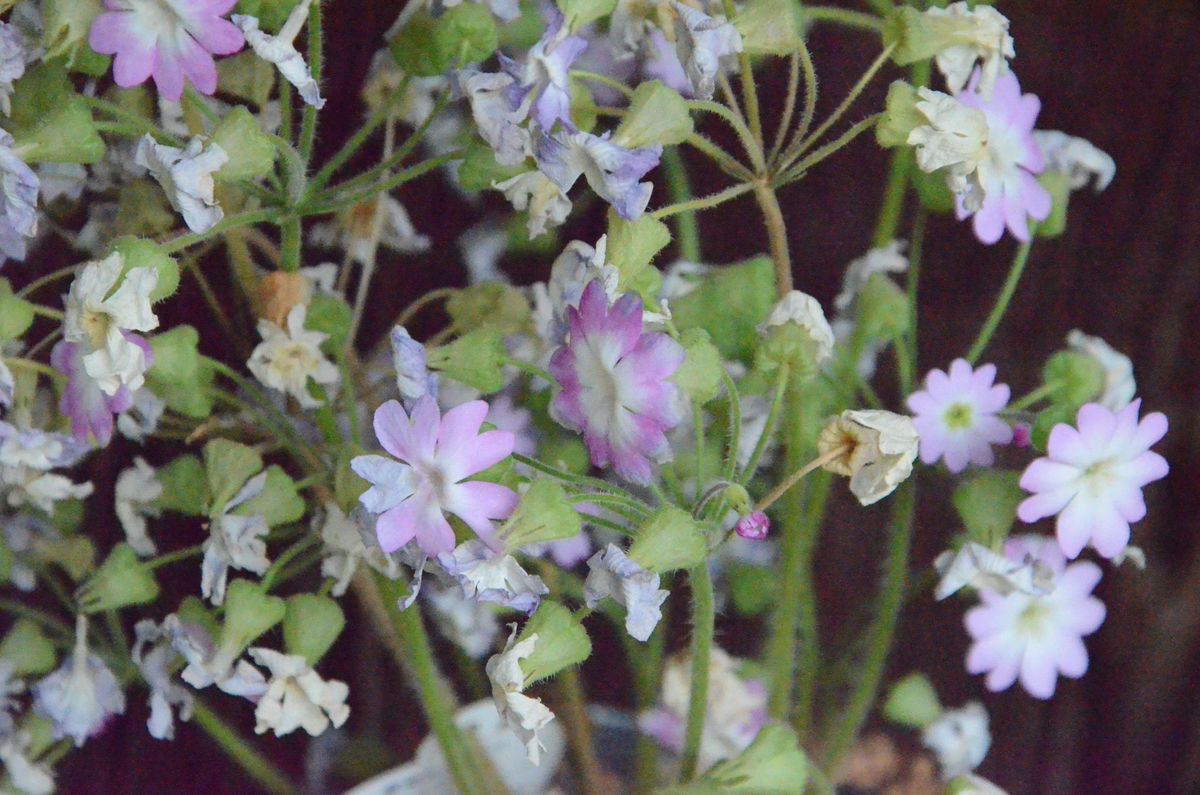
x,y
436,456
486,576
702,41
612,574
612,171
280,50
19,187
287,359
1006,171
101,308
525,715
186,175
546,202
875,449
1092,477
297,697
956,415
959,738
80,696
545,76
169,40
1035,638
615,383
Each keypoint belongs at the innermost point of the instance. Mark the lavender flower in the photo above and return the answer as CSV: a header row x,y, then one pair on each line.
x,y
613,574
486,576
702,41
611,171
956,415
18,201
83,401
498,113
545,76
81,696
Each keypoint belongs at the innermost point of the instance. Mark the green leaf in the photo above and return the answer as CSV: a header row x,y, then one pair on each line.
x,y
179,375
279,503
987,504
729,304
16,314
49,121
311,625
228,465
185,487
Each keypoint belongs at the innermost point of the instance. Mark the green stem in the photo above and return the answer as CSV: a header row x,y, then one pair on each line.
x,y
844,17
145,125
579,732
808,637
308,124
53,276
1002,302
687,228
180,242
908,359
703,202
745,135
893,198
749,93
335,203
702,640
725,161
254,763
1022,403
789,106
772,214
797,171
883,628
530,369
760,447
735,426
360,137
603,80
292,232
174,557
284,558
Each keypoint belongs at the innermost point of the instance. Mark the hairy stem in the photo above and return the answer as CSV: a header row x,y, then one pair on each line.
x,y
702,640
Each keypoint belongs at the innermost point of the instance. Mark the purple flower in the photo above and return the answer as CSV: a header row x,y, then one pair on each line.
x,y
1033,637
956,415
486,576
90,410
753,527
19,187
168,40
545,75
611,171
498,111
1092,477
662,63
1011,193
436,455
615,383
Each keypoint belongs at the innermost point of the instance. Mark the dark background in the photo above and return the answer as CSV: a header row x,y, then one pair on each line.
x,y
1125,75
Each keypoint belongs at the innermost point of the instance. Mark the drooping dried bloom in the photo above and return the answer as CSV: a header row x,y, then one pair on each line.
x,y
281,51
959,738
612,574
702,41
82,695
287,359
876,451
186,175
297,697
525,715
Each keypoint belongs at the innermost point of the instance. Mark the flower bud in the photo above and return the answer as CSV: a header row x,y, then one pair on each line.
x,y
797,334
877,450
250,151
561,642
278,292
542,516
311,625
656,115
670,540
912,702
122,580
1076,378
27,649
476,359
753,527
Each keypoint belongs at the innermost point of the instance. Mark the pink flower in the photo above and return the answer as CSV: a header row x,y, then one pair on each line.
x,y
1092,477
436,455
1036,638
956,415
754,526
615,387
1011,193
167,40
84,403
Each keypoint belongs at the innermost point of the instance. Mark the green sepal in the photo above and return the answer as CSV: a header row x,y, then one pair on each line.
x,y
670,540
16,314
770,27
631,247
657,114
141,253
251,152
122,580
912,702
1074,377
476,359
27,649
730,303
185,487
562,642
1058,185
700,374
227,466
332,316
279,502
543,515
249,612
490,305
311,625
49,122
179,374
987,504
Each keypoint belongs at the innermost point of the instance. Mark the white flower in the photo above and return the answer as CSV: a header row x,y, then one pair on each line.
x,y
496,117
985,39
99,312
959,738
482,246
1119,385
297,697
878,450
186,175
978,567
344,548
233,540
7,386
525,715
702,41
155,666
13,56
137,490
279,50
612,574
208,665
487,577
1078,158
470,624
24,775
955,139
381,220
43,490
547,203
81,695
286,360
804,311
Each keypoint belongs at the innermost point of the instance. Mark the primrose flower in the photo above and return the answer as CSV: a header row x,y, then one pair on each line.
x,y
83,400
954,137
186,175
234,541
979,34
546,202
169,40
1031,637
1011,194
486,576
137,490
545,75
959,738
1092,477
280,50
1080,159
525,715
100,313
956,415
616,387
287,359
81,696
496,115
19,187
612,574
437,454
702,41
611,171
297,697
1119,386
